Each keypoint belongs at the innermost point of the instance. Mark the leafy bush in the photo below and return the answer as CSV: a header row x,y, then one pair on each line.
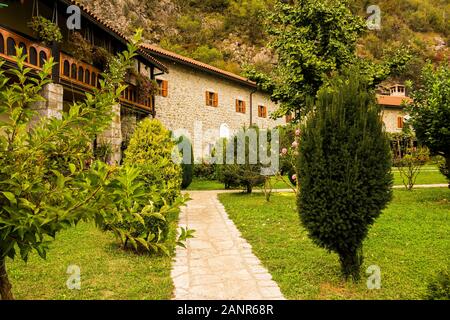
x,y
47,31
133,213
46,185
344,169
430,111
246,175
151,148
205,170
439,287
411,162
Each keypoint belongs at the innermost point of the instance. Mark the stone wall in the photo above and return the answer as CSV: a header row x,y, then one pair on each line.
x,y
113,136
52,106
185,109
390,116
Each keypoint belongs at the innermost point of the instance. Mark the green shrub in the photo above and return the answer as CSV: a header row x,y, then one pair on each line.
x,y
46,30
133,215
187,165
151,148
439,287
344,169
205,170
246,175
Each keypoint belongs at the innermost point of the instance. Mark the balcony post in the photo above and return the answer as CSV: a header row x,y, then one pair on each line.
x,y
56,67
113,136
52,106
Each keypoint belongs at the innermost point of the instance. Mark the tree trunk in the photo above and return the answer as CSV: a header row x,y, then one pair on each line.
x,y
249,188
5,285
351,263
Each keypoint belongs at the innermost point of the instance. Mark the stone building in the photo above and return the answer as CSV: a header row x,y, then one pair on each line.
x,y
75,72
206,102
195,99
393,110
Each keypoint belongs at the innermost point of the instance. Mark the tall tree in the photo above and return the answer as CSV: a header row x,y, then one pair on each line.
x,y
313,39
344,168
430,112
46,185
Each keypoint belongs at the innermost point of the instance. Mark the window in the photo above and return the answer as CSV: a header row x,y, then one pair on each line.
x,y
289,118
262,111
163,88
240,106
212,99
400,122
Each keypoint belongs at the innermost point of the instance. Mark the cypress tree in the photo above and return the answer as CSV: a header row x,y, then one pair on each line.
x,y
344,169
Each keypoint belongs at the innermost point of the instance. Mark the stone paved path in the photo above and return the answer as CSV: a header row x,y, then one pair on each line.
x,y
218,263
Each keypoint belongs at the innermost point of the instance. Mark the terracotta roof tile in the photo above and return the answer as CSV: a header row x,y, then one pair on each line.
x,y
174,56
392,100
117,32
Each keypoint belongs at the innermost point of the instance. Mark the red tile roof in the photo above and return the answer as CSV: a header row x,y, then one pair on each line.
x,y
116,31
392,100
191,62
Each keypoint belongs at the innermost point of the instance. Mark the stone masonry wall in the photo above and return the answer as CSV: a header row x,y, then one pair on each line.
x,y
390,116
185,106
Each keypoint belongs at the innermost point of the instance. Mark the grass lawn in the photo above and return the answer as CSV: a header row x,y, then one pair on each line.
x,y
107,272
429,174
409,242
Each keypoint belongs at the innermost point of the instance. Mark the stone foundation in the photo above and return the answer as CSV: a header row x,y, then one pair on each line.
x,y
53,104
113,136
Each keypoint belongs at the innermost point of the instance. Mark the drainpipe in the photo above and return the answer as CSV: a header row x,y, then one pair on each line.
x,y
251,105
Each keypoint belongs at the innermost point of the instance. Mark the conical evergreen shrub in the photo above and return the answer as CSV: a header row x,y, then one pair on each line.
x,y
344,169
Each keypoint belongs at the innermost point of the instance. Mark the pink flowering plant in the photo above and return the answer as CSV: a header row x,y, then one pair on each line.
x,y
289,153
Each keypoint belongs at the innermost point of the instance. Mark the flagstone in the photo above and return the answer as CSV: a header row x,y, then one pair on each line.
x,y
218,263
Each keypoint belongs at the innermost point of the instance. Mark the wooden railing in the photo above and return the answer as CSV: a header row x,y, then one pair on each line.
x,y
130,96
78,72
36,53
86,75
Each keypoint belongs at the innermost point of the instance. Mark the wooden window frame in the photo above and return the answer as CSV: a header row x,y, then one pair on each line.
x,y
400,122
163,86
262,111
211,99
240,106
289,118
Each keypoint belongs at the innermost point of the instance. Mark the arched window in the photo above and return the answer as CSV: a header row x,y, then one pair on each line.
x,y
66,68
87,77
42,58
2,44
224,131
73,71
11,47
24,50
80,74
93,79
33,59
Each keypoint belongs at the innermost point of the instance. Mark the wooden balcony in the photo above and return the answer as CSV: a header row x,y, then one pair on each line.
x,y
78,73
130,97
84,75
36,53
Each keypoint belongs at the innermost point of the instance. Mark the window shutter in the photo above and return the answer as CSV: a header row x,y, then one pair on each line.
x,y
400,122
206,98
243,107
237,105
165,88
216,99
